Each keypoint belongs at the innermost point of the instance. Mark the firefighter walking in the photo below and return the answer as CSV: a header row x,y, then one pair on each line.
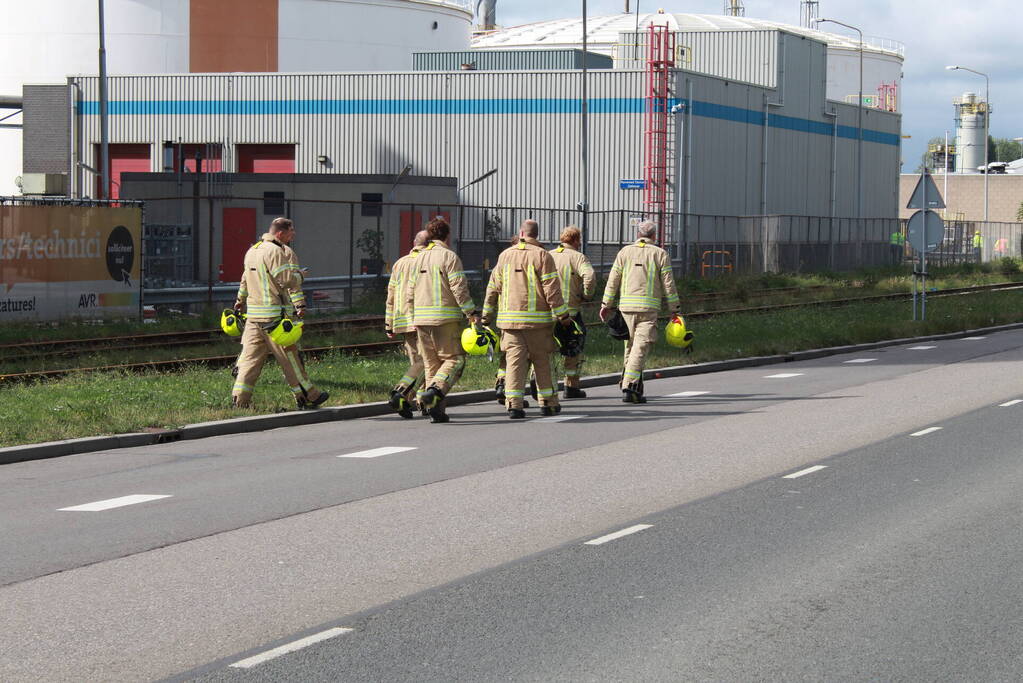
x,y
577,285
398,321
271,292
437,294
524,294
640,279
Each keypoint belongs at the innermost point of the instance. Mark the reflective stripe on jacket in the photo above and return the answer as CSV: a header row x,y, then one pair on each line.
x,y
641,277
271,284
576,274
438,291
524,288
397,315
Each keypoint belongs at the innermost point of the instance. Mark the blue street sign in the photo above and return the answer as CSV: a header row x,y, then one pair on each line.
x,y
637,184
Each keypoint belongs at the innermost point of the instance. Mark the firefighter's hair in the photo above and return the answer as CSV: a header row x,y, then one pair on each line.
x,y
438,229
281,224
571,234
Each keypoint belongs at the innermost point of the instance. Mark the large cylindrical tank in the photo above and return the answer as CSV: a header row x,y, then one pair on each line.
x,y
44,41
970,133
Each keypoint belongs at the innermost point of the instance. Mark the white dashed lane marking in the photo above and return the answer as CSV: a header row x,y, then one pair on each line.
x,y
558,418
687,394
861,360
808,470
252,661
973,338
377,452
784,375
921,348
111,503
1010,403
929,430
618,534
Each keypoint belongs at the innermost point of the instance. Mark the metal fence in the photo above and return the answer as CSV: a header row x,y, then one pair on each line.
x,y
352,244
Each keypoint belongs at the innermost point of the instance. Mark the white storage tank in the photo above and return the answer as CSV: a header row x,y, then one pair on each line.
x,y
882,57
45,41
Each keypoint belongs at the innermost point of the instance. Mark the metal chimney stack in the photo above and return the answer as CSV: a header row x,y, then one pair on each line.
x,y
734,8
486,15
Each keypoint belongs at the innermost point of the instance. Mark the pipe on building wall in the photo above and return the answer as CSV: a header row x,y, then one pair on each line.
x,y
764,168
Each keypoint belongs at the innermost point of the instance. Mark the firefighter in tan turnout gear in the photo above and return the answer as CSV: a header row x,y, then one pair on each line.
x,y
577,285
437,293
271,289
640,279
524,294
398,321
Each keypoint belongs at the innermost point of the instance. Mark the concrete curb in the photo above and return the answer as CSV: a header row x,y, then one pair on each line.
x,y
259,423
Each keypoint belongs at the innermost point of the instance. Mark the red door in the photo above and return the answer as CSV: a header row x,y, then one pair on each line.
x,y
123,159
239,234
411,223
266,158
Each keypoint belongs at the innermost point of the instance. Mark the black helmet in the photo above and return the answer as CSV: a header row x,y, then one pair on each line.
x,y
569,338
616,326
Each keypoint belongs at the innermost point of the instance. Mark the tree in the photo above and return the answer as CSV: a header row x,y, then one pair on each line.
x,y
1005,149
1019,212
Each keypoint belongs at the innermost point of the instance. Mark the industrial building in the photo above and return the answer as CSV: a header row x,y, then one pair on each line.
x,y
731,120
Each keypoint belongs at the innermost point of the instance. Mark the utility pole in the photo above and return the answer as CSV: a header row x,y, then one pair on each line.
x,y
104,119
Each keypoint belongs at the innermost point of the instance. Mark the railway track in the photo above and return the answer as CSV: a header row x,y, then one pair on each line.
x,y
374,348
66,348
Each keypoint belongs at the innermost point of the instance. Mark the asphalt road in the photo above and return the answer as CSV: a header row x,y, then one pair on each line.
x,y
463,558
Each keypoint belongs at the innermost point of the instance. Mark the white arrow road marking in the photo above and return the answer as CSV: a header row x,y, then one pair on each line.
x,y
377,452
861,360
808,470
925,431
687,394
1010,403
784,375
100,505
252,661
618,534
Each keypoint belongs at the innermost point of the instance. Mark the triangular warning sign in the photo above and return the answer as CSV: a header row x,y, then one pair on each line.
x,y
934,200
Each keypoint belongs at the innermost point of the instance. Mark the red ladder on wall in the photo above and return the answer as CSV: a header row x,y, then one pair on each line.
x,y
660,60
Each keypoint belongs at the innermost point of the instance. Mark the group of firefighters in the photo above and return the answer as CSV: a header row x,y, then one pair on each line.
x,y
533,298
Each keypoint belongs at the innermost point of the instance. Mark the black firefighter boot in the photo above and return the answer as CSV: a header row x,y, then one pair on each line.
x,y
400,403
433,403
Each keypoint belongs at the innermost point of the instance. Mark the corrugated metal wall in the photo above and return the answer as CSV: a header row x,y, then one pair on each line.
x,y
526,125
748,56
510,60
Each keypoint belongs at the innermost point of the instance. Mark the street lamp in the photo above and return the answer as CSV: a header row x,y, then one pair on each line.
x,y
987,123
859,120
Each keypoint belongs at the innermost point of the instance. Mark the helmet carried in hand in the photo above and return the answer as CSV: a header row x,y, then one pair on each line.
x,y
286,332
477,339
616,326
231,323
676,334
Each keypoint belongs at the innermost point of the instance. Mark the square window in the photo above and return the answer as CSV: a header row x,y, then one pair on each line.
x,y
274,204
371,204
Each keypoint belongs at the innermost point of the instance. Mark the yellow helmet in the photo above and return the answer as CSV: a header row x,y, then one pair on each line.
x,y
287,332
231,323
477,340
676,333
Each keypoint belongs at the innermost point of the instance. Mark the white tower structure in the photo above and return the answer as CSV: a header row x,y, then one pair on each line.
x,y
971,112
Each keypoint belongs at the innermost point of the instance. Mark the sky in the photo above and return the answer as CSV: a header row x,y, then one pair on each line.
x,y
984,35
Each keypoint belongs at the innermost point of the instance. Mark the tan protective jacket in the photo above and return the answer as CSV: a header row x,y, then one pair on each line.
x,y
438,291
576,273
642,275
271,284
398,318
524,288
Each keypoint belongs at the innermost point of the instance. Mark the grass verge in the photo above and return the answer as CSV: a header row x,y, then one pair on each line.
x,y
112,403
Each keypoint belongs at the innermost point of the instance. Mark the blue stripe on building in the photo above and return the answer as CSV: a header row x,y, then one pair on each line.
x,y
608,105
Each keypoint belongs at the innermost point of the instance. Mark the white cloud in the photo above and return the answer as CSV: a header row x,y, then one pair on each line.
x,y
983,35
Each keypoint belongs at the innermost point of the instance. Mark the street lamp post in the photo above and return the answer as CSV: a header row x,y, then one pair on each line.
x,y
987,124
859,120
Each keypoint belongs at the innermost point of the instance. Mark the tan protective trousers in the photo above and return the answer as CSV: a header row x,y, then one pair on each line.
x,y
443,357
522,347
256,346
413,376
642,335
